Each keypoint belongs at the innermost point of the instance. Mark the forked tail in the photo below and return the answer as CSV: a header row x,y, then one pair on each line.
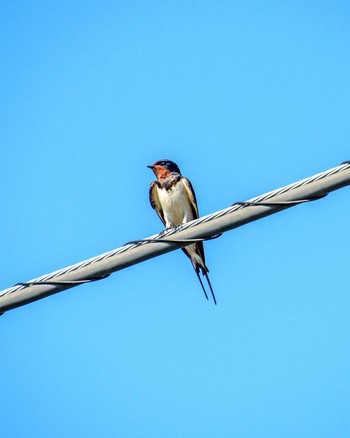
x,y
200,267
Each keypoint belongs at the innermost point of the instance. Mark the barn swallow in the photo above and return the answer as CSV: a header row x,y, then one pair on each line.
x,y
173,198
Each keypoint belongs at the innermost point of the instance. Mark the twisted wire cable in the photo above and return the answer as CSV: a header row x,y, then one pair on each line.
x,y
262,200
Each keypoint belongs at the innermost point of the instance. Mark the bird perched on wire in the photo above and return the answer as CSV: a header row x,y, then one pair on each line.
x,y
173,198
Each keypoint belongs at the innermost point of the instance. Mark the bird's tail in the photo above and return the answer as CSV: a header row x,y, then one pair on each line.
x,y
200,266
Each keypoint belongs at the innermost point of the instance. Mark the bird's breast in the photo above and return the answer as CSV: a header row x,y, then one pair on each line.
x,y
175,204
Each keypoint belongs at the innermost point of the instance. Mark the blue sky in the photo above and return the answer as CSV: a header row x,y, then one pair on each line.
x,y
246,97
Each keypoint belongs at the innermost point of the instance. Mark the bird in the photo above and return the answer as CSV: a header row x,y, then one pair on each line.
x,y
172,197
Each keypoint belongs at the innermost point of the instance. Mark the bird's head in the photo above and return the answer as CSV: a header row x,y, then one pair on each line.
x,y
163,168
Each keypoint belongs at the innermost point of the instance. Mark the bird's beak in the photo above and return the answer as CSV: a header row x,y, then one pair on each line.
x,y
151,166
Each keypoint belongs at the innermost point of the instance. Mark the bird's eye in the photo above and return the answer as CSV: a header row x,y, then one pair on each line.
x,y
162,163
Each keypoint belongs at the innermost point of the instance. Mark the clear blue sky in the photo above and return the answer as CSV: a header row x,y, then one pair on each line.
x,y
246,97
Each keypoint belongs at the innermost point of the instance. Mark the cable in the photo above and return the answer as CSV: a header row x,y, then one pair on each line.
x,y
204,228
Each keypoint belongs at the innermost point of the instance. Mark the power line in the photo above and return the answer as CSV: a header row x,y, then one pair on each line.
x,y
206,227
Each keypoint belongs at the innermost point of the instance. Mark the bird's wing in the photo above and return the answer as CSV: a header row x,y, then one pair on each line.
x,y
193,201
154,200
191,196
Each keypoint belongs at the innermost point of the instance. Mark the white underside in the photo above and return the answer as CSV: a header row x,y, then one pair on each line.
x,y
175,205
177,210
